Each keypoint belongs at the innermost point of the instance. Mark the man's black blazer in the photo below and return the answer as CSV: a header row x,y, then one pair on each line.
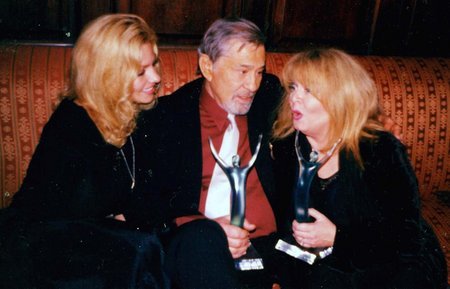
x,y
173,154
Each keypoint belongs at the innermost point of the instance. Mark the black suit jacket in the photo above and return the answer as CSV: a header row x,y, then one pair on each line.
x,y
376,210
172,133
75,174
75,179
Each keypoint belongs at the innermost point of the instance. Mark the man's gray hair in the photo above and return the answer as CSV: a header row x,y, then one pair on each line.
x,y
225,29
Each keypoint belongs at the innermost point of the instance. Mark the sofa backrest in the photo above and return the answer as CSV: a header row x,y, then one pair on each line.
x,y
413,92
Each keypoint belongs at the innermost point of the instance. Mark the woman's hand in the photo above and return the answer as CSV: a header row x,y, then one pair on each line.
x,y
120,217
238,238
320,233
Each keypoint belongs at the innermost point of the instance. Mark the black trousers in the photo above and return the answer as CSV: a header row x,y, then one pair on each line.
x,y
81,254
198,257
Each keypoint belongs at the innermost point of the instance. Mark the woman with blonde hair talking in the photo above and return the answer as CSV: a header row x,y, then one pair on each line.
x,y
76,221
364,200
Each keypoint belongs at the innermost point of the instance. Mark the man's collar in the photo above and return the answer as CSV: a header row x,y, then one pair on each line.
x,y
212,109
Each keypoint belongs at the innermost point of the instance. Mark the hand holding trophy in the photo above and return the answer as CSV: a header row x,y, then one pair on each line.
x,y
237,177
307,171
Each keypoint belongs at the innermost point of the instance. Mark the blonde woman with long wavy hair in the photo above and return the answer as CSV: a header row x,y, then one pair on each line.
x,y
364,200
77,222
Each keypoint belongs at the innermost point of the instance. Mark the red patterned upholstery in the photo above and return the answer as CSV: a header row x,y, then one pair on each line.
x,y
413,92
30,80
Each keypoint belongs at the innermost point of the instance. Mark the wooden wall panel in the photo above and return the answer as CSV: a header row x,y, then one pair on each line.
x,y
30,20
413,28
380,27
182,21
257,11
91,9
309,22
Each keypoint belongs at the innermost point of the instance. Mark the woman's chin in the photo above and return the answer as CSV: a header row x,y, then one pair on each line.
x,y
146,106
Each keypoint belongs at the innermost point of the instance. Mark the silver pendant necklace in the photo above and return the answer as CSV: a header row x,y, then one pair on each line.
x,y
132,172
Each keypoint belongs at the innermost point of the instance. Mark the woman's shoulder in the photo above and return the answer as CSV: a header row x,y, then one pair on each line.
x,y
71,123
381,142
383,150
68,112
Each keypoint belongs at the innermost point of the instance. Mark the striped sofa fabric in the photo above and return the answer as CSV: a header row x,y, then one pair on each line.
x,y
414,92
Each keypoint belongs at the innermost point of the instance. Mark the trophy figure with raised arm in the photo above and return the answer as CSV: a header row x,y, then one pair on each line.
x,y
307,171
237,177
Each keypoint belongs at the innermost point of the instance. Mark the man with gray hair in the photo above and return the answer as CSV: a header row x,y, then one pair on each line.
x,y
233,103
234,93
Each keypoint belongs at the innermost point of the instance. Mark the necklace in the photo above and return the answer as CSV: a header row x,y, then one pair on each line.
x,y
325,183
132,172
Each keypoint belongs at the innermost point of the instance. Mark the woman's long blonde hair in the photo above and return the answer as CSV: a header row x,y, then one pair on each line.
x,y
105,62
344,88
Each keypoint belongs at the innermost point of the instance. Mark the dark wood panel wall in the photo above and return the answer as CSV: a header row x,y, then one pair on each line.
x,y
308,22
386,27
181,21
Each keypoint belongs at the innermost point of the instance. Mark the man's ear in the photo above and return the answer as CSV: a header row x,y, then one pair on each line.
x,y
205,65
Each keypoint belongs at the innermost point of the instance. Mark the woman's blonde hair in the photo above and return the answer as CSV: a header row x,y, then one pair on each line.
x,y
344,88
105,62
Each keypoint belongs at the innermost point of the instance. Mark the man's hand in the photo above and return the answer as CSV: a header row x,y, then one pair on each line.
x,y
319,234
390,126
238,238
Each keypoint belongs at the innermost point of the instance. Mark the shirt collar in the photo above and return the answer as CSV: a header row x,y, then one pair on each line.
x,y
211,110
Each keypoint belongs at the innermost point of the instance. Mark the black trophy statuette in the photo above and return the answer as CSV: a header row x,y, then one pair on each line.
x,y
237,176
307,171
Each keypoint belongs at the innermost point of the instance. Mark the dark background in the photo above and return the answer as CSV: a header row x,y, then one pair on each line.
x,y
367,27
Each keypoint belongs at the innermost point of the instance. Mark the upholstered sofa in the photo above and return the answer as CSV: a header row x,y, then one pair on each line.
x,y
414,92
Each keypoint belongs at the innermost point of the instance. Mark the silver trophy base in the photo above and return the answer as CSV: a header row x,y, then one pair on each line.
x,y
308,255
250,261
